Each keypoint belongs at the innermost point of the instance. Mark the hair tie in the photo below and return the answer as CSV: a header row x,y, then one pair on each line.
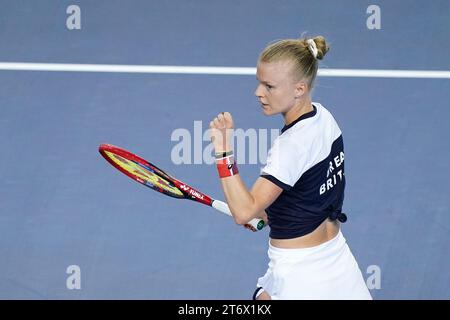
x,y
312,47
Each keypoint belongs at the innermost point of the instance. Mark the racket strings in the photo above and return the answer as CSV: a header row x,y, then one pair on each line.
x,y
146,175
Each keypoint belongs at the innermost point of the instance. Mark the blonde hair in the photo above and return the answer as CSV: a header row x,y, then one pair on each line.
x,y
303,52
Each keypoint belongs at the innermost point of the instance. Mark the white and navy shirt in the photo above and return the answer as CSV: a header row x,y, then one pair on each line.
x,y
307,162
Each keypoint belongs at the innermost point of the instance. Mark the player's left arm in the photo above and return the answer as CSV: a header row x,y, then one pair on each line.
x,y
244,204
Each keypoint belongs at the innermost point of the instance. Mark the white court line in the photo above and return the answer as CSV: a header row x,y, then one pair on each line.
x,y
69,67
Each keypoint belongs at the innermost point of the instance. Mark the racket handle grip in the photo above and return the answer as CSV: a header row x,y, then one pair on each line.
x,y
254,224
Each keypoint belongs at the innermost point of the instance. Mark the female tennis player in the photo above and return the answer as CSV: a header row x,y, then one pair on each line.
x,y
301,188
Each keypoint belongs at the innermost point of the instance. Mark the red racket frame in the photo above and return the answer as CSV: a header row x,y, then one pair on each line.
x,y
188,192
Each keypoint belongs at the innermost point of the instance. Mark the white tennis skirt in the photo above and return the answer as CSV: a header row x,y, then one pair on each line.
x,y
328,271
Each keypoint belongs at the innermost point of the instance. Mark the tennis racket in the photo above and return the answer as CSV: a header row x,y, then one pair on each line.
x,y
151,176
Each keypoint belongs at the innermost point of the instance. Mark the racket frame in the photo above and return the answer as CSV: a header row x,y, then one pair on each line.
x,y
187,191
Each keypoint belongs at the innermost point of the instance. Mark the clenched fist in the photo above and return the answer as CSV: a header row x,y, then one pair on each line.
x,y
222,131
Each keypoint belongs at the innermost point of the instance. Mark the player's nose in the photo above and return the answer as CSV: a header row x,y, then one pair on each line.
x,y
258,91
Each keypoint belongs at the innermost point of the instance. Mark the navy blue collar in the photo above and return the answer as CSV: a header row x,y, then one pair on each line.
x,y
302,117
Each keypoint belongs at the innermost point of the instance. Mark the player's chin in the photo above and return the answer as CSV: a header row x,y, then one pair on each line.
x,y
266,110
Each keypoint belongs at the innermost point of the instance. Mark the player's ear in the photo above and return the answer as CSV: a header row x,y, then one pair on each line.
x,y
301,88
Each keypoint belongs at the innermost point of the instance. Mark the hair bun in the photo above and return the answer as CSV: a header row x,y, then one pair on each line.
x,y
322,47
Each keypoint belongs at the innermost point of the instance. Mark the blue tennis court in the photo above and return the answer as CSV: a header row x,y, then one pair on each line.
x,y
62,205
